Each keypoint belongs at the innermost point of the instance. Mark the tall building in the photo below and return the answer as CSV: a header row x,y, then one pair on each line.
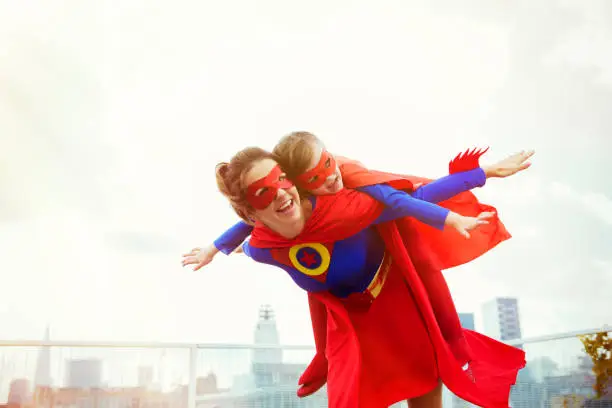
x,y
467,321
271,382
84,374
266,360
207,385
145,376
501,319
266,334
42,376
19,392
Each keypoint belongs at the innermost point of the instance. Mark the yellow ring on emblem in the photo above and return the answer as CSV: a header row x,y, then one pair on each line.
x,y
320,249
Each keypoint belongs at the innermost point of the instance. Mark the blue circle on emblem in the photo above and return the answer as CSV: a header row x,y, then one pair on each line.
x,y
309,257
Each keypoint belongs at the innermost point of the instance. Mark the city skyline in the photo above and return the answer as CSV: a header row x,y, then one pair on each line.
x,y
270,372
84,380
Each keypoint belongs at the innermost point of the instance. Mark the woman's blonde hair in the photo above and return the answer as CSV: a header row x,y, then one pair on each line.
x,y
230,177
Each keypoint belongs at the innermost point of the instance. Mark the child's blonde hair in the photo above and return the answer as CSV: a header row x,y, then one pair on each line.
x,y
294,152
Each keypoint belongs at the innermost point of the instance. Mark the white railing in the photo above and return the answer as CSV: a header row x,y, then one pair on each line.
x,y
186,361
559,336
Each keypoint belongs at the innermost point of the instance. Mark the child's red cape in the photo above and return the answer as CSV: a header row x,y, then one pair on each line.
x,y
448,246
326,223
340,216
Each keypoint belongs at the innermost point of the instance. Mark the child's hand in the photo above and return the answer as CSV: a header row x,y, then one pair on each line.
x,y
464,225
510,165
200,256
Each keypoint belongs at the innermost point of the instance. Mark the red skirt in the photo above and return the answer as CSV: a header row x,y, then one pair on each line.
x,y
396,356
386,354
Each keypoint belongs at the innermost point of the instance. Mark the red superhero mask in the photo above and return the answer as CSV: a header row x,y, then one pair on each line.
x,y
315,177
262,192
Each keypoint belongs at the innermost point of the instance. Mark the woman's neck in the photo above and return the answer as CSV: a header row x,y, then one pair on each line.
x,y
293,230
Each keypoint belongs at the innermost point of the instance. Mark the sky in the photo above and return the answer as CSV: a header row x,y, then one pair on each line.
x,y
113,116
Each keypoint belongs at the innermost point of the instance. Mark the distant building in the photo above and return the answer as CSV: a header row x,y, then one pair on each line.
x,y
467,321
501,319
128,397
42,376
207,385
567,401
576,383
19,392
84,373
271,382
266,334
266,362
527,393
276,381
145,376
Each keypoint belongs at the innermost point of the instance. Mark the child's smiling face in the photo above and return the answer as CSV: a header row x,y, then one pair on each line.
x,y
323,175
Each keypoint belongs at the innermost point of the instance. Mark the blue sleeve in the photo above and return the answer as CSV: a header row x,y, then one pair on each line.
x,y
233,237
399,204
451,185
258,254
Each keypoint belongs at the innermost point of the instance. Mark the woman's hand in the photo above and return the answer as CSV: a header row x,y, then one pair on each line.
x,y
200,256
464,225
510,165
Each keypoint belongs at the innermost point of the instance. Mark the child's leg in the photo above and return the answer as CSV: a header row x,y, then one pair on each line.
x,y
445,312
315,375
441,302
318,314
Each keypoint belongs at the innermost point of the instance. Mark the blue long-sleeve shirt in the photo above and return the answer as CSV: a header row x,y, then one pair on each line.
x,y
417,204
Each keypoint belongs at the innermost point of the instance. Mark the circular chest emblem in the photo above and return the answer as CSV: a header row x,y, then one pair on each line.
x,y
310,259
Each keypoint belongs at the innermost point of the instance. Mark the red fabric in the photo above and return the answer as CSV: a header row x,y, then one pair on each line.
x,y
326,224
494,366
315,375
431,249
465,161
448,246
381,356
435,285
396,350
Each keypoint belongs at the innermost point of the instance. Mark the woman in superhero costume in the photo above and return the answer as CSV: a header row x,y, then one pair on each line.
x,y
304,158
372,356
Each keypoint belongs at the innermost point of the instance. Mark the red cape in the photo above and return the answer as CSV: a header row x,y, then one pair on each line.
x,y
448,247
340,216
326,224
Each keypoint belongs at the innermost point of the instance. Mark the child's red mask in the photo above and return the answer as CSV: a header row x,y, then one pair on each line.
x,y
262,192
315,177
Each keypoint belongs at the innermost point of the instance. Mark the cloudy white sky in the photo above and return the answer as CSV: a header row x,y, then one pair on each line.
x,y
113,115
